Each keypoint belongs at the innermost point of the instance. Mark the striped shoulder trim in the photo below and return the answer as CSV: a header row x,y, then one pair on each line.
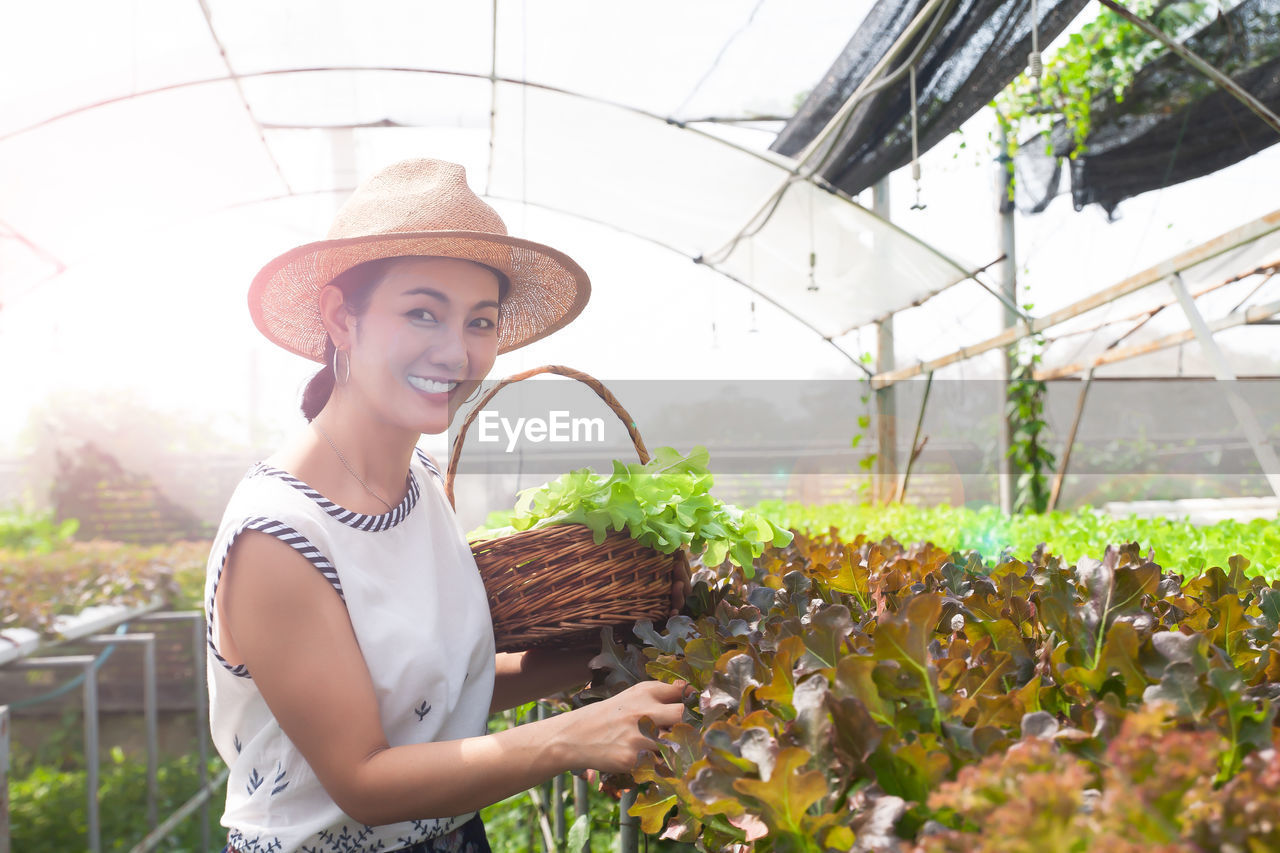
x,y
292,538
358,520
426,460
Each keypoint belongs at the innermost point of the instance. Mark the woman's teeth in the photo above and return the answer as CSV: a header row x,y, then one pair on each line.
x,y
431,386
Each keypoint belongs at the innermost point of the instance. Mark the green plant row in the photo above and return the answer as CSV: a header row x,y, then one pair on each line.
x,y
48,807
37,587
1177,545
859,693
21,529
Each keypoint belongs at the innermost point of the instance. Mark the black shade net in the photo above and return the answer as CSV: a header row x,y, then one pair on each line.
x,y
1173,125
980,46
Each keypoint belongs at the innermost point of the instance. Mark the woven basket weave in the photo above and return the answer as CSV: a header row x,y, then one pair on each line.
x,y
554,586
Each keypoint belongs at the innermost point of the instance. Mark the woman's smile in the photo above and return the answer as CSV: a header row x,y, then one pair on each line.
x,y
433,387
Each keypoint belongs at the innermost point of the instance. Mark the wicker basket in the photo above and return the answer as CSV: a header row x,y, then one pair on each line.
x,y
554,586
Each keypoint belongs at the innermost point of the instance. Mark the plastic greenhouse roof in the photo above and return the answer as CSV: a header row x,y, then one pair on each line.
x,y
138,117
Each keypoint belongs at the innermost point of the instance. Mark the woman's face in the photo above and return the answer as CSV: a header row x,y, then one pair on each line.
x,y
428,338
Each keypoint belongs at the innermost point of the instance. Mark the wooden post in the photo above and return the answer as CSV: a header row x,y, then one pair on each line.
x,y
1071,440
915,441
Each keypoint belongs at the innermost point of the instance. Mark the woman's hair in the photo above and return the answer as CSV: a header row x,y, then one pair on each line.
x,y
357,285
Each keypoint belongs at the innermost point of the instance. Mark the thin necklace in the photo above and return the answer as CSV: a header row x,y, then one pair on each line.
x,y
343,459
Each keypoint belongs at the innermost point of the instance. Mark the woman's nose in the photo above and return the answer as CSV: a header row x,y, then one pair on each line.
x,y
450,350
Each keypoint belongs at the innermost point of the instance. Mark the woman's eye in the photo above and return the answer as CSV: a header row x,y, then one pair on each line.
x,y
422,314
485,323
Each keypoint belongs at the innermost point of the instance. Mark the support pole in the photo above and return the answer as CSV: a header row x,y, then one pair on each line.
x,y
628,826
1071,440
550,839
202,717
87,664
1245,416
1008,288
885,398
4,779
148,643
581,806
201,695
557,810
155,839
553,793
91,752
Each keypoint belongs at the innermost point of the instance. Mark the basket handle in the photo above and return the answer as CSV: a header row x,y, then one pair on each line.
x,y
590,381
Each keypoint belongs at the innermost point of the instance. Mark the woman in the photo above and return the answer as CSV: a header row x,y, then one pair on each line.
x,y
353,667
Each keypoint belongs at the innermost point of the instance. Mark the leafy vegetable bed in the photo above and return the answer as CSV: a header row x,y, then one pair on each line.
x,y
1178,545
35,587
858,695
48,810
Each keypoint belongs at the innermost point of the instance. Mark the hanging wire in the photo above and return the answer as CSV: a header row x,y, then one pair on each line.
x,y
237,83
1035,63
715,63
493,99
715,341
751,271
915,141
813,251
814,159
524,117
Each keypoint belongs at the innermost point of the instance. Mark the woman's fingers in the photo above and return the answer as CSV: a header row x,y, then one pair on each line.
x,y
672,696
614,735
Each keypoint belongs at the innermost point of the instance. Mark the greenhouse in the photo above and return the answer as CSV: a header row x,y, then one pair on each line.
x,y
845,426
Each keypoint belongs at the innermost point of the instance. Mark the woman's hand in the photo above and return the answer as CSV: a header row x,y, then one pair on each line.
x,y
605,736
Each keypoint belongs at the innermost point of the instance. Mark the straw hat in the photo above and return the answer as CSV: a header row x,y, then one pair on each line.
x,y
417,207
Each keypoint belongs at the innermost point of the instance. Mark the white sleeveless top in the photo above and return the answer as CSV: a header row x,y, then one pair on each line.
x,y
421,617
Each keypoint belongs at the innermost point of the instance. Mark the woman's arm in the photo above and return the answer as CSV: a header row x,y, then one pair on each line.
x,y
521,677
525,676
292,632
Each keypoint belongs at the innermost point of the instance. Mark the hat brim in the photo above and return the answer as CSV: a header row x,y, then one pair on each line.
x,y
548,288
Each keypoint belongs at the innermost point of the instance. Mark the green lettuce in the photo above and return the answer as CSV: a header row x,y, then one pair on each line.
x,y
664,504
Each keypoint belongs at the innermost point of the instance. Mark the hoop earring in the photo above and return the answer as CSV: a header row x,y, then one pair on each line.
x,y
346,376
